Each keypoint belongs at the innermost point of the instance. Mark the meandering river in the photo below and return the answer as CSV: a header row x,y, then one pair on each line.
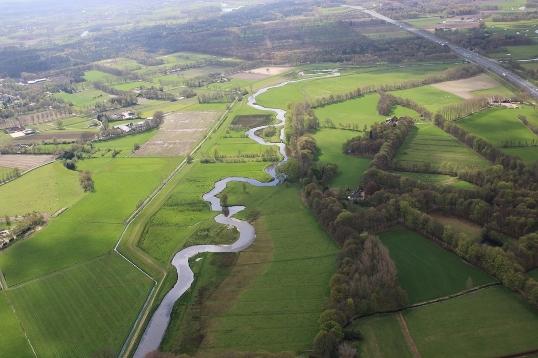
x,y
156,328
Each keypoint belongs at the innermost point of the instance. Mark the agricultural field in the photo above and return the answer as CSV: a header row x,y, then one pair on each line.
x,y
290,290
350,168
99,76
45,190
428,148
123,146
427,271
89,308
468,87
503,129
83,99
12,339
499,317
432,98
467,227
382,337
440,179
92,225
350,79
353,114
24,162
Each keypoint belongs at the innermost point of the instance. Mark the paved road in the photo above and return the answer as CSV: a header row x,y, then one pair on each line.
x,y
482,61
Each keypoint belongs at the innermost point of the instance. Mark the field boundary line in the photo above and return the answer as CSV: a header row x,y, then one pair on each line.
x,y
520,354
3,283
407,336
426,303
28,171
143,313
21,325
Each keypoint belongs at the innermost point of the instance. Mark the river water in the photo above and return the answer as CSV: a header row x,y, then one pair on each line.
x,y
156,328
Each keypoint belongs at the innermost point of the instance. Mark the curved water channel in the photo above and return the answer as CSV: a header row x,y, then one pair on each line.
x,y
156,328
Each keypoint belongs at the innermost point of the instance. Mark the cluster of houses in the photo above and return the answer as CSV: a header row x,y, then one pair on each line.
x,y
123,116
6,238
131,126
505,102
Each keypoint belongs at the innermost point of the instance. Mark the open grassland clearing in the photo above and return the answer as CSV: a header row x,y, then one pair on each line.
x,y
82,311
490,322
178,134
465,88
527,154
279,309
428,148
350,168
440,179
84,99
68,124
355,114
24,162
99,76
91,226
349,80
522,52
467,227
430,97
261,72
123,146
427,271
382,337
44,190
12,339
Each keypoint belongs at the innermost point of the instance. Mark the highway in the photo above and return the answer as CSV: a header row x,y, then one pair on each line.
x,y
482,61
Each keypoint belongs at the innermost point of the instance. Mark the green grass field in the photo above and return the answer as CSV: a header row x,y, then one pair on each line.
x,y
382,337
279,309
350,168
83,99
429,148
350,80
355,113
99,76
439,179
502,128
12,339
425,270
83,310
45,190
491,322
91,226
123,144
428,96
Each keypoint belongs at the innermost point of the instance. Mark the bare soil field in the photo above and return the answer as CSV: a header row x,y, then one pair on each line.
x,y
464,88
48,137
178,134
261,72
24,162
251,121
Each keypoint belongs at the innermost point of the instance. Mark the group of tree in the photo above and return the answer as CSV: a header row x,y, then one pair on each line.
x,y
86,181
156,94
465,108
9,175
526,123
387,102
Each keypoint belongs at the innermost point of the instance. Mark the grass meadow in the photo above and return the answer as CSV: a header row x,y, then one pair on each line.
x,y
45,190
84,310
278,309
427,271
490,322
125,145
91,226
430,97
12,339
356,113
349,80
350,168
429,148
83,99
382,337
439,179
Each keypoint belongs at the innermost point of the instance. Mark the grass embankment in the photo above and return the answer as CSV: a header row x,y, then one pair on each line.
x,y
83,310
425,270
276,308
350,168
91,226
45,190
428,148
350,80
502,128
491,322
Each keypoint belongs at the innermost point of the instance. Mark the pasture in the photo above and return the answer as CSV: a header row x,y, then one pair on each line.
x,y
467,227
465,88
349,80
12,339
278,309
432,98
91,226
83,99
45,190
427,271
82,311
350,168
123,145
382,337
438,179
355,114
99,76
428,148
491,322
